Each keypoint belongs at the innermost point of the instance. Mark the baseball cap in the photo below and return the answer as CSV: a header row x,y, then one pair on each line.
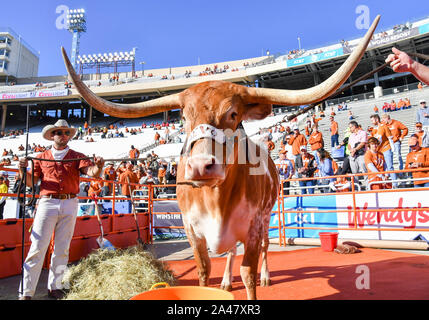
x,y
422,101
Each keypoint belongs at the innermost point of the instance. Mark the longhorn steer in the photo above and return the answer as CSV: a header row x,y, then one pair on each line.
x,y
226,196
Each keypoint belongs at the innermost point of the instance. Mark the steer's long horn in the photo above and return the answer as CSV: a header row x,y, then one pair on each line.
x,y
133,110
319,92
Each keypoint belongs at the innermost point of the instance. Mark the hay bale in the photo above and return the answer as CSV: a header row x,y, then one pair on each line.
x,y
115,274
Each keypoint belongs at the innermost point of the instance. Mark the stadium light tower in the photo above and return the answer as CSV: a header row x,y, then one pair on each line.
x,y
76,23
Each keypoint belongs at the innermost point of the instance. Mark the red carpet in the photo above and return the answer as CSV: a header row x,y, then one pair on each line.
x,y
315,274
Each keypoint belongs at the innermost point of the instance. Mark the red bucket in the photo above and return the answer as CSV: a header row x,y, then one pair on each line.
x,y
328,240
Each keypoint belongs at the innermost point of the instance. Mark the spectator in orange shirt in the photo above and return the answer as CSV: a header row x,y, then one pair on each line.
x,y
316,140
306,166
386,146
401,104
334,133
162,172
297,140
418,158
134,154
122,167
110,171
407,103
399,131
420,86
128,174
375,109
374,162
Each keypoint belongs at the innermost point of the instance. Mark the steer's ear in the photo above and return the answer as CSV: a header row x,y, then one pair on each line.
x,y
257,111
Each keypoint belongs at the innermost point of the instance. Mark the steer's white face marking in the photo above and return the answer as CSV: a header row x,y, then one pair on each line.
x,y
220,235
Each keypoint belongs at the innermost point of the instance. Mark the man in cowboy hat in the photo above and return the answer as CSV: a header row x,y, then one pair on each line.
x,y
57,206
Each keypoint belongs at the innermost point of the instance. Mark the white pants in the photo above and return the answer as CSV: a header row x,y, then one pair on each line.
x,y
52,215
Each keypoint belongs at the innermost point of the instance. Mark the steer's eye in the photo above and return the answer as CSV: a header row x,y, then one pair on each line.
x,y
234,116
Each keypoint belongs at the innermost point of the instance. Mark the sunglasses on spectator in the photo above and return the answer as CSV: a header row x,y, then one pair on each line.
x,y
60,133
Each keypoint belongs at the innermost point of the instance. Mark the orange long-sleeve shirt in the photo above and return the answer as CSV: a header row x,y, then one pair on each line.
x,y
123,179
296,142
422,158
398,130
377,159
382,133
316,140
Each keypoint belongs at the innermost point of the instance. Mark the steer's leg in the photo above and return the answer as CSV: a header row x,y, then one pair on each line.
x,y
227,276
249,267
201,256
265,273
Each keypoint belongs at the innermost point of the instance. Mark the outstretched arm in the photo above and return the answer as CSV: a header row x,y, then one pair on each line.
x,y
401,62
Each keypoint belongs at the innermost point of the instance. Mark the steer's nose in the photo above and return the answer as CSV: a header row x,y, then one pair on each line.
x,y
203,168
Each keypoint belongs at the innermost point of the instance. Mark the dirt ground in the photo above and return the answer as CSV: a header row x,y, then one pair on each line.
x,y
163,250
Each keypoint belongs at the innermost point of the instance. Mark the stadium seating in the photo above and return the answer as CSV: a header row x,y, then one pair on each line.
x,y
362,110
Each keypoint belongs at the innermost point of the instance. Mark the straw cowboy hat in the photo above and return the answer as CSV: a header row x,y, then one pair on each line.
x,y
59,125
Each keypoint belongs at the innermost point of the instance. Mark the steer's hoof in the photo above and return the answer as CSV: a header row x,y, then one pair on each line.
x,y
265,282
226,287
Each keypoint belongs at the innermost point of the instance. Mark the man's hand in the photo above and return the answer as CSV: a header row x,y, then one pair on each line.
x,y
99,162
23,163
400,61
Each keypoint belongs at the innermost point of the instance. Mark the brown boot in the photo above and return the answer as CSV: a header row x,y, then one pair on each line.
x,y
24,298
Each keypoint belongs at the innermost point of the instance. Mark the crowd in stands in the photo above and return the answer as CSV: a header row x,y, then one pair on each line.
x,y
292,54
67,85
402,27
393,106
152,170
306,155
11,133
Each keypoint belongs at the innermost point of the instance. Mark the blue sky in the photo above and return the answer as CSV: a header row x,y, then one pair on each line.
x,y
172,33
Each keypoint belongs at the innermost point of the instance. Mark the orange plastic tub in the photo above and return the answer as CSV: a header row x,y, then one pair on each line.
x,y
183,293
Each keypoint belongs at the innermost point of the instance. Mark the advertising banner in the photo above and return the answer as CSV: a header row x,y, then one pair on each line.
x,y
392,215
315,57
170,217
424,28
396,217
304,217
377,41
34,94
